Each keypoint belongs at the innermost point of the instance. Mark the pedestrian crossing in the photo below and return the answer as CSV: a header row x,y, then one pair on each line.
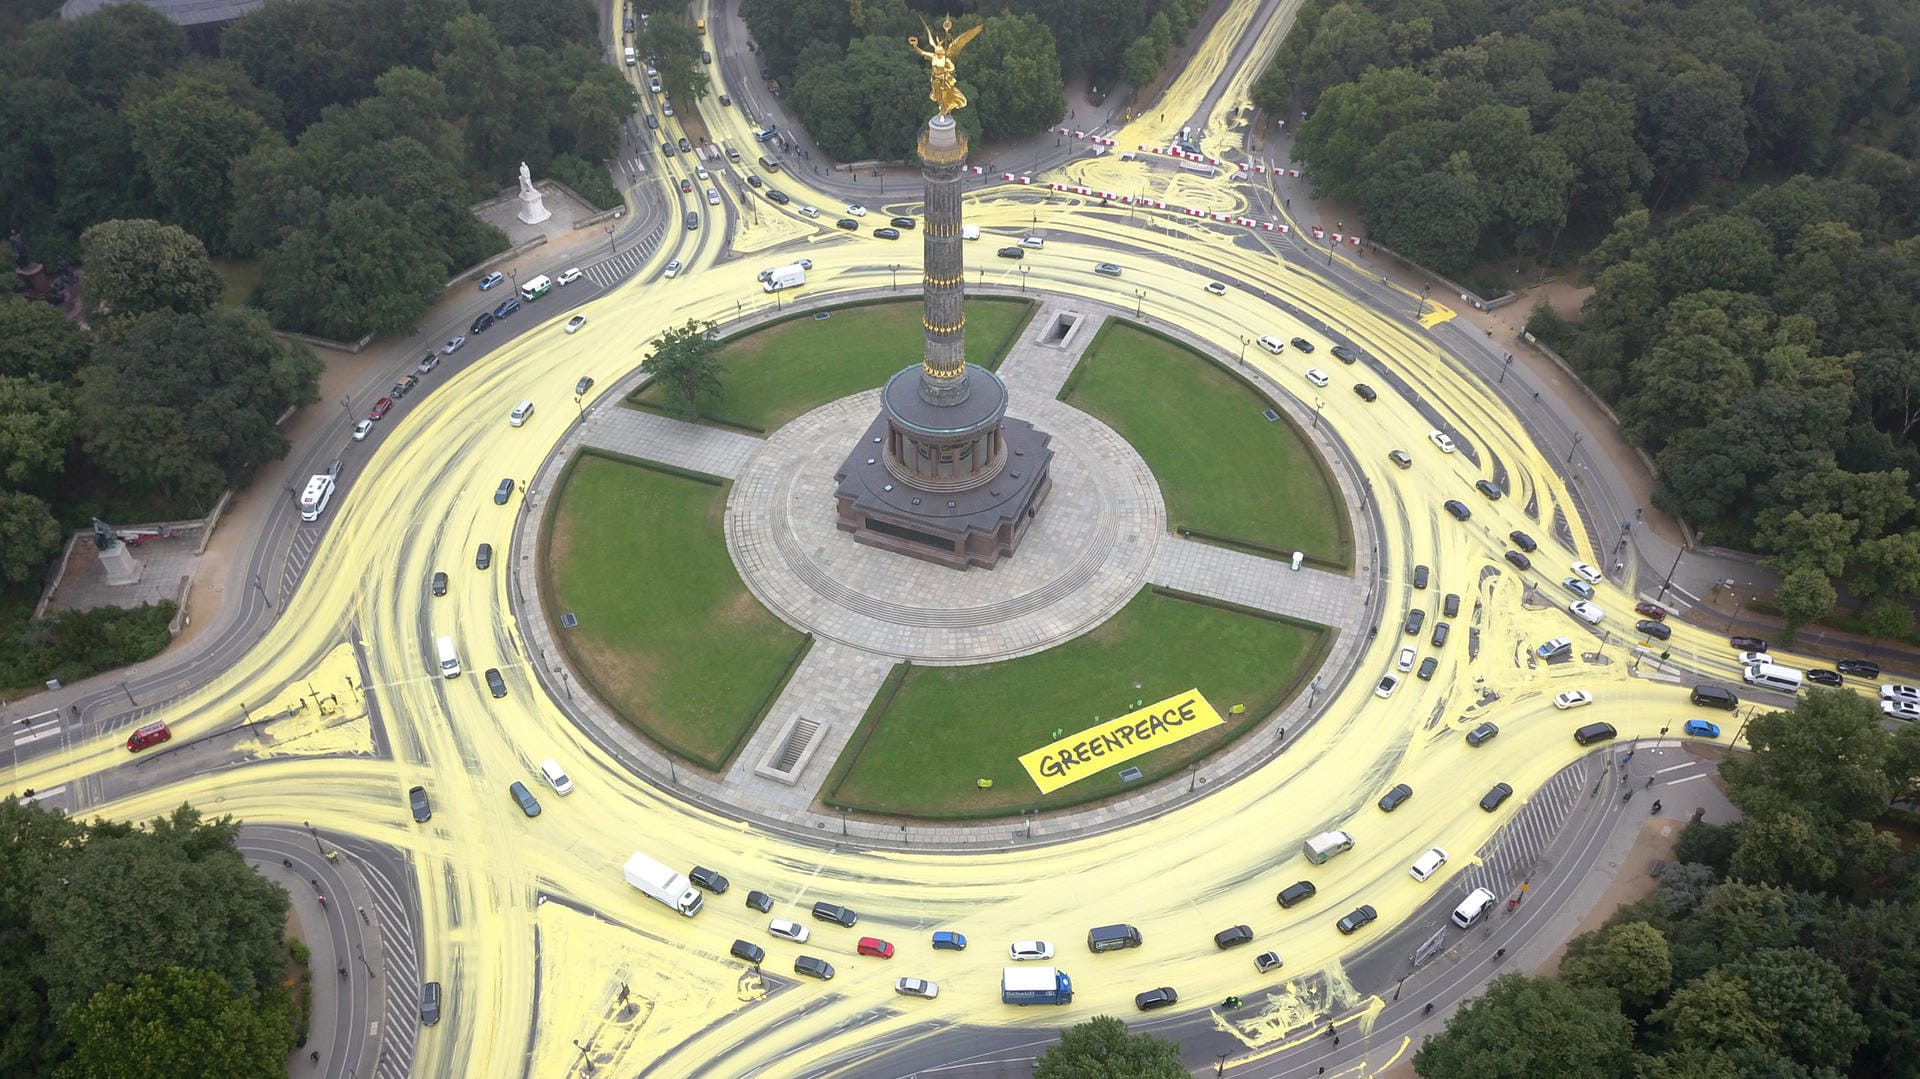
x,y
625,262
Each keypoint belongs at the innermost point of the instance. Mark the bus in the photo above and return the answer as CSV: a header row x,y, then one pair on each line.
x,y
536,288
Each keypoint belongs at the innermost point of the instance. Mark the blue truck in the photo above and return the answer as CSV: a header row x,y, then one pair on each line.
x,y
1035,985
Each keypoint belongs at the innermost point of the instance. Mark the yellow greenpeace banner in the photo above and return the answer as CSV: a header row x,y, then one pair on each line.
x,y
1117,741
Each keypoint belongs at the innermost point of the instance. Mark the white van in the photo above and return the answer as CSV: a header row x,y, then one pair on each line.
x,y
449,659
520,413
1272,344
1428,864
1772,676
556,777
1326,845
969,232
313,500
1473,908
632,57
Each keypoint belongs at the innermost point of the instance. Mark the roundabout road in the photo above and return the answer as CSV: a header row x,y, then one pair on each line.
x,y
550,961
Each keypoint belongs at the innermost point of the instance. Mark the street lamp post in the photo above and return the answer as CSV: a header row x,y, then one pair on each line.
x,y
895,269
1505,367
1420,309
1023,277
136,704
612,244
1664,585
1572,448
1244,342
1139,298
262,591
1318,404
577,406
1193,777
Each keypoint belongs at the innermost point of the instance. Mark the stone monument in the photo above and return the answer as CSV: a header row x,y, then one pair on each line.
x,y
533,208
942,474
118,562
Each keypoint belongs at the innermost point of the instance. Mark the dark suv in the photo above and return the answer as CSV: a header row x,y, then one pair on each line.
x,y
1358,917
708,879
835,913
1298,892
1859,668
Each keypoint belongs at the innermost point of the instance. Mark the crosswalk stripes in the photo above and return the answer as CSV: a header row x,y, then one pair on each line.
x,y
618,267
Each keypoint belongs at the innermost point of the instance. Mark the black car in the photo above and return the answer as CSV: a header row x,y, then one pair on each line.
x,y
1302,344
777,196
1451,605
835,913
1356,918
440,583
887,234
754,180
1500,793
725,100
693,221
1233,938
1747,644
581,387
1481,735
1364,391
481,323
813,968
430,1003
507,307
1415,619
748,951
1391,800
1519,560
666,148
422,809
483,557
1419,576
685,146
1822,676
1440,631
1523,541
760,901
1297,892
503,492
847,223
1012,252
496,685
1427,667
901,222
1859,668
1660,631
1163,997
1486,487
1458,509
1345,354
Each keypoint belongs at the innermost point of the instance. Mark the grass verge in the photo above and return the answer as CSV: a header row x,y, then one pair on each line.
x,y
1228,474
792,367
669,637
933,732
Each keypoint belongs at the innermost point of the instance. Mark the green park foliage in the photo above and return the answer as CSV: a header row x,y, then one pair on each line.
x,y
1783,945
138,951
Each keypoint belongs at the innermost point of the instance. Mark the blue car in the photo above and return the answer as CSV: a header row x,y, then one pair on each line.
x,y
948,941
491,280
505,309
1701,728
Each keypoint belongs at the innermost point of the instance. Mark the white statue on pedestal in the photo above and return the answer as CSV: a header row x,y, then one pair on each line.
x,y
532,209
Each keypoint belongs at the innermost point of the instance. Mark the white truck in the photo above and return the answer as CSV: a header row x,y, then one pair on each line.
x,y
662,883
787,276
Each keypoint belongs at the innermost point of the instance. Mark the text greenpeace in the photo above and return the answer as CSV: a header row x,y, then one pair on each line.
x,y
1119,740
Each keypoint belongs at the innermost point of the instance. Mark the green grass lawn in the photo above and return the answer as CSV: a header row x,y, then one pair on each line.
x,y
950,726
775,374
669,637
1224,470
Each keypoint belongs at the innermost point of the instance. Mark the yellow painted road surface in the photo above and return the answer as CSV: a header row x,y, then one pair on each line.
x,y
525,979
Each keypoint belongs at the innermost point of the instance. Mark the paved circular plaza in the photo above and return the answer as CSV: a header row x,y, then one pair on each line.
x,y
1086,555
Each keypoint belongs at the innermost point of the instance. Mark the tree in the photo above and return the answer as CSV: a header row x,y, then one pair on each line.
x,y
189,402
29,537
181,879
36,424
1698,129
188,139
686,360
107,51
37,341
368,269
1828,758
1631,959
1805,595
1523,1027
1712,1013
134,267
1725,252
1595,132
1014,64
1101,1048
1433,218
1351,119
1802,999
174,1022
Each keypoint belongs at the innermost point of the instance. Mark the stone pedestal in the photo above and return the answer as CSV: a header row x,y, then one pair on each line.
x,y
120,565
533,208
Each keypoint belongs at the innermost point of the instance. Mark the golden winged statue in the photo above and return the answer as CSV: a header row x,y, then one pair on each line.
x,y
946,93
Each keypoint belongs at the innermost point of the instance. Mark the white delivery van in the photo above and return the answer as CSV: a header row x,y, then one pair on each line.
x,y
313,500
791,275
520,413
1326,845
969,232
556,776
449,659
1473,908
1772,676
632,57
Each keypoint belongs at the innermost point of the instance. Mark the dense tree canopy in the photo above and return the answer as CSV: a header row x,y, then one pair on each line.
x,y
1102,1048
686,358
196,991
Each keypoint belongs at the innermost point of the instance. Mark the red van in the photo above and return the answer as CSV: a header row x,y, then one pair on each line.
x,y
150,735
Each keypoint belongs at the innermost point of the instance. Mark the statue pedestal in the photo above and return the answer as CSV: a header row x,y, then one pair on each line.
x,y
533,208
120,565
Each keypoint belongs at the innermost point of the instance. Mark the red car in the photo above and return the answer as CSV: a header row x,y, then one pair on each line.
x,y
1651,610
874,946
381,408
686,185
